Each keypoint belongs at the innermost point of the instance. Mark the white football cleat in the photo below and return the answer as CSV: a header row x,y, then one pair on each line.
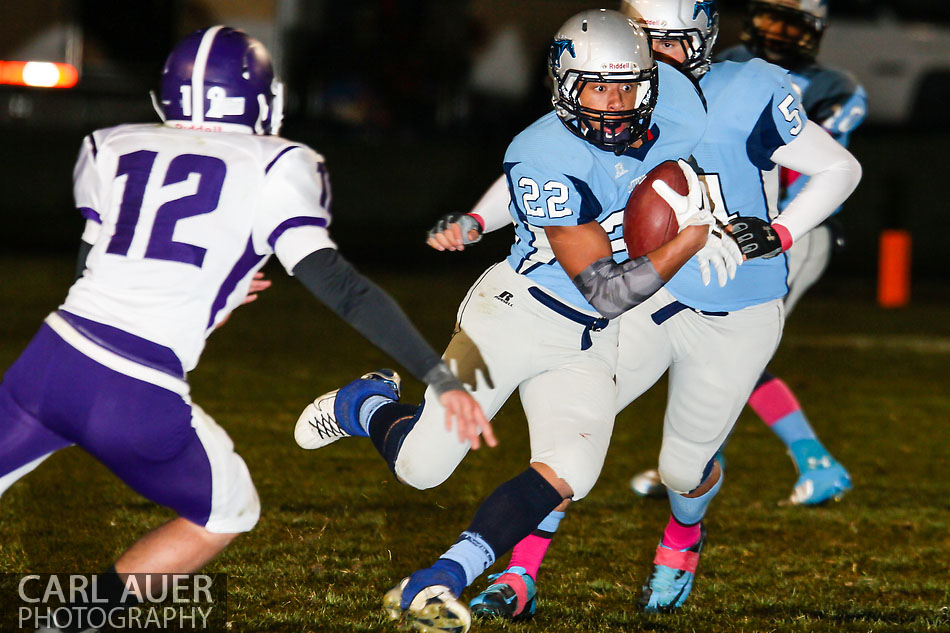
x,y
433,610
648,484
335,414
317,426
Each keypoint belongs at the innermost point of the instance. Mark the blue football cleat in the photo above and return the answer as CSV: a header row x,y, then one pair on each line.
x,y
672,578
820,477
335,414
512,597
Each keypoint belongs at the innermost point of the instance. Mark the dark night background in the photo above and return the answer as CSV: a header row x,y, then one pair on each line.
x,y
389,92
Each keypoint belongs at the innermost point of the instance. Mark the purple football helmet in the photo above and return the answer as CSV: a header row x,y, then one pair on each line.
x,y
221,79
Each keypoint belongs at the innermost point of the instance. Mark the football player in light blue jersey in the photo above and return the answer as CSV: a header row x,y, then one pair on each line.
x,y
722,336
788,33
594,184
544,321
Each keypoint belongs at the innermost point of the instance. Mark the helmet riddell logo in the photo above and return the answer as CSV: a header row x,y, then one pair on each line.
x,y
558,48
705,6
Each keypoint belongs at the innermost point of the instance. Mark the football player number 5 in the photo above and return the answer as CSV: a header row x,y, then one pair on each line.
x,y
791,114
137,169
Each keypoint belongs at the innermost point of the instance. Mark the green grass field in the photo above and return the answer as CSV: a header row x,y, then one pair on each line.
x,y
337,531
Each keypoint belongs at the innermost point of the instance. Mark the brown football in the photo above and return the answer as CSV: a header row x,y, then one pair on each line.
x,y
648,221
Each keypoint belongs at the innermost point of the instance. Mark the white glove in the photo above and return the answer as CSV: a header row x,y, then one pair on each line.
x,y
722,251
694,207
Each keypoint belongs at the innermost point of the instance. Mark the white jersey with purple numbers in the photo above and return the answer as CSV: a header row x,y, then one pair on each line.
x,y
753,110
558,179
181,220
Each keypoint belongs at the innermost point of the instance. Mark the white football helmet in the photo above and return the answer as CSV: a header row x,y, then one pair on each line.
x,y
785,32
692,23
603,46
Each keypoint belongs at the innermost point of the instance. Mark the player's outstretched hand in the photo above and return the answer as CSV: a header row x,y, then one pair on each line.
x,y
453,231
258,284
722,252
463,412
691,209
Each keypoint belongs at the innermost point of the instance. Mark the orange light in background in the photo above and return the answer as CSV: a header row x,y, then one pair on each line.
x,y
38,74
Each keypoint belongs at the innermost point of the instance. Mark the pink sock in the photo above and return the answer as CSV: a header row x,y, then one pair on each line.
x,y
677,536
529,552
773,401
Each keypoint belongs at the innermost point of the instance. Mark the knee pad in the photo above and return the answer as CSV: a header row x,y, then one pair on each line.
x,y
683,478
580,475
678,475
422,471
428,454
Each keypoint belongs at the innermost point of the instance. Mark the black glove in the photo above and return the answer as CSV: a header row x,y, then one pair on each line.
x,y
756,238
465,221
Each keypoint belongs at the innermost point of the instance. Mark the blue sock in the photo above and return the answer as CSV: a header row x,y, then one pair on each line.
x,y
514,510
473,554
443,572
550,522
794,427
369,407
690,511
388,427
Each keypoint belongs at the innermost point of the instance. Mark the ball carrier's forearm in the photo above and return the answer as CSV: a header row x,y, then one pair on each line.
x,y
614,288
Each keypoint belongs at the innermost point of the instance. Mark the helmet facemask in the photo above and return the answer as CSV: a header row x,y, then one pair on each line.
x,y
610,130
696,47
690,25
781,35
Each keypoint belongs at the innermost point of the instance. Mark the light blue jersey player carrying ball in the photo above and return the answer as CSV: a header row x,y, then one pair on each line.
x,y
715,341
545,320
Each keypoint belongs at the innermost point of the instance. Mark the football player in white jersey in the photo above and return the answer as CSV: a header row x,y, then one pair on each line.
x,y
180,217
544,321
715,341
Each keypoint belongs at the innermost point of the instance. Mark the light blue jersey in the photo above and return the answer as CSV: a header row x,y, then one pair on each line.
x,y
832,98
558,179
753,110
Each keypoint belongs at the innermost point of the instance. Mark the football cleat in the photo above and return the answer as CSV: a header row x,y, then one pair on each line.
x,y
820,477
648,484
672,578
512,597
433,610
335,414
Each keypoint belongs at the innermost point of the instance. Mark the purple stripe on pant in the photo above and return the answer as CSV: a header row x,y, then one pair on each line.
x,y
54,396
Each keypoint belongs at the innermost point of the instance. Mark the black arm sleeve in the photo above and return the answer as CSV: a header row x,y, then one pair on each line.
x,y
84,248
366,307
